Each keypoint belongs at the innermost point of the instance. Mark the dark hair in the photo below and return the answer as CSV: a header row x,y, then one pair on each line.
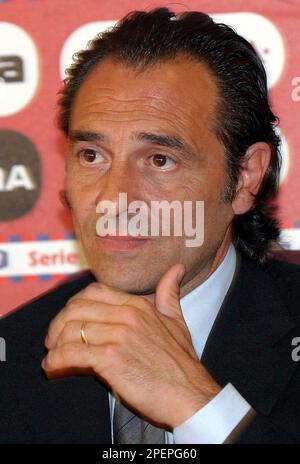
x,y
244,115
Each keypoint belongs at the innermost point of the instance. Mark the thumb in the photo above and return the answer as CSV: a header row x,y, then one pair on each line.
x,y
167,296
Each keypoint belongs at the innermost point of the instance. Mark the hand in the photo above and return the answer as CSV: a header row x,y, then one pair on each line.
x,y
143,351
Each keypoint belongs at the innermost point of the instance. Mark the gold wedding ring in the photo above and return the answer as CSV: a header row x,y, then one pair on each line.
x,y
82,334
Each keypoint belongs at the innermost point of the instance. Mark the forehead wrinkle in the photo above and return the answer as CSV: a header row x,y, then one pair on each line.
x,y
96,110
92,121
121,82
153,106
120,104
163,124
155,103
183,117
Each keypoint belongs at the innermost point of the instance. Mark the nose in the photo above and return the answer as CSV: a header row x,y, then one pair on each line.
x,y
119,179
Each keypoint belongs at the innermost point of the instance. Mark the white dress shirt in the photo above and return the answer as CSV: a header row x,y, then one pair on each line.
x,y
213,423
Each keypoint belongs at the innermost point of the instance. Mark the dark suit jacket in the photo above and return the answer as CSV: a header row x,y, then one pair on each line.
x,y
249,346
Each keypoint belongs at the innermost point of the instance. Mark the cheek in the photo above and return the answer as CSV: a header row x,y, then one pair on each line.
x,y
208,187
202,186
218,218
81,198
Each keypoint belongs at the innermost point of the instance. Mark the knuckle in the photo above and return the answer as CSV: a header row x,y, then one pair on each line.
x,y
131,315
92,288
122,334
91,292
92,285
68,330
146,303
50,328
51,358
74,297
67,353
110,351
74,308
73,304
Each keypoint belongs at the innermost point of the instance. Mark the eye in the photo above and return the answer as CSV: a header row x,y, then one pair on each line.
x,y
162,162
90,157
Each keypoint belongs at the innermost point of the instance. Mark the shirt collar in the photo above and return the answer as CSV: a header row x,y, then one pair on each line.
x,y
200,307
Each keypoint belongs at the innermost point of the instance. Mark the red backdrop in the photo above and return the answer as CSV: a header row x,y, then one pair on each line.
x,y
36,241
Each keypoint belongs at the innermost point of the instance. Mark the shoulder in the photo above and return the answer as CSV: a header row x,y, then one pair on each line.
x,y
283,273
280,278
287,273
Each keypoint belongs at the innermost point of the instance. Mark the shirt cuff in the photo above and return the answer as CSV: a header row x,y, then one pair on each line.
x,y
213,423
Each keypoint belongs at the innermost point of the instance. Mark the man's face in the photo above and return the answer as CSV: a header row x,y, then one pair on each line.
x,y
149,134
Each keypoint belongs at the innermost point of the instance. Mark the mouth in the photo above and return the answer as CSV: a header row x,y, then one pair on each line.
x,y
121,243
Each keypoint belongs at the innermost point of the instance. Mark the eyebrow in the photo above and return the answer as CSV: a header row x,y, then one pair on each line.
x,y
86,136
169,141
163,140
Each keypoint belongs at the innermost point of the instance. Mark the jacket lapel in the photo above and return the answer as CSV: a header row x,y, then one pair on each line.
x,y
250,342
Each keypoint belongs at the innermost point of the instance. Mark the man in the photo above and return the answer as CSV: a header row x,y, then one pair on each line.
x,y
161,342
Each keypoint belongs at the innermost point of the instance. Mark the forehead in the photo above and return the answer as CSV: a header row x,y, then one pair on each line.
x,y
180,93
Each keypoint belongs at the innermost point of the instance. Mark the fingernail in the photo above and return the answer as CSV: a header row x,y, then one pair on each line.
x,y
43,363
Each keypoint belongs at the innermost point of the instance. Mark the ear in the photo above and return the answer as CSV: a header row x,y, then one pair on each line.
x,y
255,164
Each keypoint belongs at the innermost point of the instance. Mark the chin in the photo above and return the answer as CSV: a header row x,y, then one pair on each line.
x,y
127,283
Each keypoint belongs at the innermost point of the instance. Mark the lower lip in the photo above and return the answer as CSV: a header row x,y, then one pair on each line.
x,y
117,244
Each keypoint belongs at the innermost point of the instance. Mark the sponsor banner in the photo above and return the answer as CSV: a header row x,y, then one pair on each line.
x,y
290,239
20,175
40,258
60,257
19,68
263,34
